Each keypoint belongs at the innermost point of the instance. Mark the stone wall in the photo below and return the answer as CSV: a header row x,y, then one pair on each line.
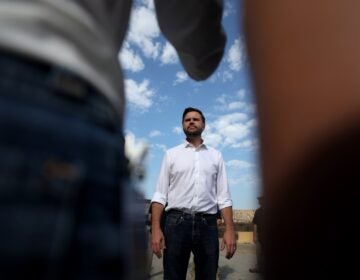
x,y
243,225
243,216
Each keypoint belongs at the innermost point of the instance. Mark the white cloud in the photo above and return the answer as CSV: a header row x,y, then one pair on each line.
x,y
222,75
229,8
226,76
130,60
144,30
236,105
238,164
135,149
169,55
228,130
248,144
241,93
252,123
148,3
212,139
229,102
235,55
234,132
250,180
221,99
181,77
177,130
139,95
233,118
155,133
161,147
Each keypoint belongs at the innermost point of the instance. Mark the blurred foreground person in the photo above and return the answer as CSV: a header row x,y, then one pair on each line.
x,y
67,209
305,58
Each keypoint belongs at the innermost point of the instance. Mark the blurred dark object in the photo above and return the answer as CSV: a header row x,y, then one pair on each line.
x,y
305,63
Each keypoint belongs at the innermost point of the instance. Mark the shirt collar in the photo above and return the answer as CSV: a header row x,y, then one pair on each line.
x,y
189,145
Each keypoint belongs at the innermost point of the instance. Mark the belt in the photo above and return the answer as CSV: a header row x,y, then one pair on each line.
x,y
56,82
193,214
62,81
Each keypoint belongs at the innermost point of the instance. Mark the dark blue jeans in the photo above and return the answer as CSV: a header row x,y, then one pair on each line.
x,y
184,234
63,177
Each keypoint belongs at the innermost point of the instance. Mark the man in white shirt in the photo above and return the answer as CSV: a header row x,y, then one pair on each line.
x,y
191,187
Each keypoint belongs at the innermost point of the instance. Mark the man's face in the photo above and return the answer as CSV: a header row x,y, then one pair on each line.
x,y
193,125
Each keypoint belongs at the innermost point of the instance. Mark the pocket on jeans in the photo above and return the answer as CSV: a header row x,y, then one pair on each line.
x,y
209,222
37,198
172,221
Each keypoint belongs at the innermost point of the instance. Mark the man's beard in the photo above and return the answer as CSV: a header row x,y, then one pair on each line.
x,y
193,133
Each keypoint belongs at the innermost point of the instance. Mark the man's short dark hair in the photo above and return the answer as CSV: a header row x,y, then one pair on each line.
x,y
191,109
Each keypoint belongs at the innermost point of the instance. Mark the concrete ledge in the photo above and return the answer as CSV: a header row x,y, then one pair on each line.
x,y
245,237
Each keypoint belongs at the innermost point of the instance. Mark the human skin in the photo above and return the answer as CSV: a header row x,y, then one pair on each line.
x,y
305,61
305,65
157,236
228,240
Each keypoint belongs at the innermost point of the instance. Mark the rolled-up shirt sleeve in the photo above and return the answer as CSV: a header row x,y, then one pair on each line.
x,y
162,185
195,30
223,192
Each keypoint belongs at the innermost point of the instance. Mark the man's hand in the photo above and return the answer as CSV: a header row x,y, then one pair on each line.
x,y
157,236
229,242
157,242
229,235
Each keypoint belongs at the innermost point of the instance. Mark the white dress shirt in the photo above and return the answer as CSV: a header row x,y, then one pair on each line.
x,y
193,180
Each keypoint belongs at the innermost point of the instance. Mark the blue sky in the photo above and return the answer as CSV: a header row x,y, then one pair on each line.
x,y
158,90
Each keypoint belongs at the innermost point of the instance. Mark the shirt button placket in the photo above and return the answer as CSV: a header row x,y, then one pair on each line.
x,y
197,178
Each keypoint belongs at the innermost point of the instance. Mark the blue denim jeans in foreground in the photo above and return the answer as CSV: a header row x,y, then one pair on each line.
x,y
185,234
62,177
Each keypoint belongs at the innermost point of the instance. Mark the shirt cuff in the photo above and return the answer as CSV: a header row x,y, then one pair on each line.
x,y
224,204
159,198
